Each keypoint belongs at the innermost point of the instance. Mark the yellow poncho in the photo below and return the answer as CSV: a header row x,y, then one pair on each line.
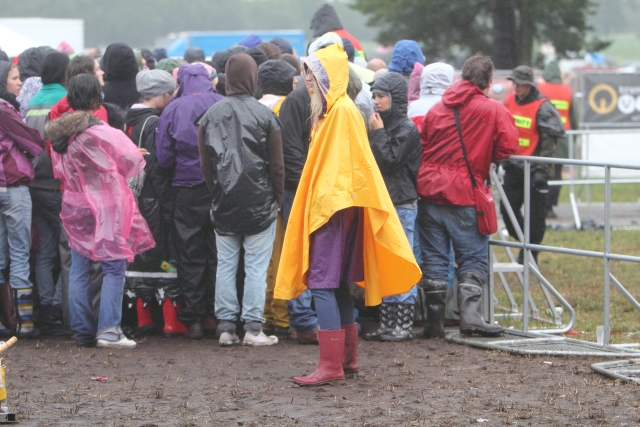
x,y
341,172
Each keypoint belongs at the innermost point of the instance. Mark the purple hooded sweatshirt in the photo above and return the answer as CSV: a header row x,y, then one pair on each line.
x,y
177,135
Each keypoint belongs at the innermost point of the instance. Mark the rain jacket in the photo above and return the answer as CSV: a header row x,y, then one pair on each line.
x,y
238,136
340,173
325,20
489,134
99,213
18,142
177,137
435,79
396,146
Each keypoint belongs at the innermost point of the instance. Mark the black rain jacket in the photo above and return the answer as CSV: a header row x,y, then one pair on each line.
x,y
396,147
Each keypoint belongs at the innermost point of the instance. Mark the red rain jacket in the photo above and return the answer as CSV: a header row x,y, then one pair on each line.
x,y
489,133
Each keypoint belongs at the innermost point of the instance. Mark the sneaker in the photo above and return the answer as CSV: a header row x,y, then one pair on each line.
x,y
228,339
123,342
259,340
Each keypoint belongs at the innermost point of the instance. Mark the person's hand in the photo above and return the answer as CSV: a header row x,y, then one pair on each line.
x,y
143,151
539,181
375,122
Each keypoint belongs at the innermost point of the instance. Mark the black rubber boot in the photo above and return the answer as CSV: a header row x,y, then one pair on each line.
x,y
469,301
436,308
404,324
435,292
387,322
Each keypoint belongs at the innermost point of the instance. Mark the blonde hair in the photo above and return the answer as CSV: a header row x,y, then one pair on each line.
x,y
316,106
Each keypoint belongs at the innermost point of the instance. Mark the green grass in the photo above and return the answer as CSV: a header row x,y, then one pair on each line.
x,y
619,193
581,281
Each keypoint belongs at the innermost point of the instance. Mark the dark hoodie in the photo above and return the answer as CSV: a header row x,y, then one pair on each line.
x,y
396,147
275,77
31,60
120,69
325,20
243,165
54,68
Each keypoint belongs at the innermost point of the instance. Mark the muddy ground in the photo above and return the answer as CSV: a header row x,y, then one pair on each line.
x,y
177,382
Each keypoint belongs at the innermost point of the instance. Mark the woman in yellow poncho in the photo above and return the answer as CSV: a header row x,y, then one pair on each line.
x,y
343,226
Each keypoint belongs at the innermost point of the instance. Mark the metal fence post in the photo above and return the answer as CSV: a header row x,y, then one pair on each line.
x,y
607,251
525,248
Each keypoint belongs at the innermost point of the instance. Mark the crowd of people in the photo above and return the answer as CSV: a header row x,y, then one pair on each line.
x,y
254,190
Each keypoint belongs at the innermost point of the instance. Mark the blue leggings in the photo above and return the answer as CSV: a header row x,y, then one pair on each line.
x,y
334,307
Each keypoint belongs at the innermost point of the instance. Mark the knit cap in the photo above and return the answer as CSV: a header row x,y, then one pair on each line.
x,y
152,83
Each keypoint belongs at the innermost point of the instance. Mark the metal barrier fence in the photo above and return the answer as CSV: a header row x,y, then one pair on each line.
x,y
584,136
529,265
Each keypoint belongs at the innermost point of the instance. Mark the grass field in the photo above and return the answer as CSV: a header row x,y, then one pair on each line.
x,y
581,281
620,193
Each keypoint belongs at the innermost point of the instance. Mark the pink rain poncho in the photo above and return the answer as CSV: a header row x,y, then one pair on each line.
x,y
99,213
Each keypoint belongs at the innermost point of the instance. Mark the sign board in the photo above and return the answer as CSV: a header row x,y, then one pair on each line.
x,y
610,99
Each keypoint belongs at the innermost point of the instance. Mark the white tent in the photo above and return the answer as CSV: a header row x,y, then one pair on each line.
x,y
14,43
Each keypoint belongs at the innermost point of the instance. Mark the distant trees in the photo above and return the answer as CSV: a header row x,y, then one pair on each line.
x,y
506,28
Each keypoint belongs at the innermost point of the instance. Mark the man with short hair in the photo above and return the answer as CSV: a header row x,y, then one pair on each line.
x,y
539,127
446,210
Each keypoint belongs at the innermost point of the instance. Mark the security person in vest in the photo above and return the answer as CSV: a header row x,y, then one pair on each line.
x,y
539,127
561,96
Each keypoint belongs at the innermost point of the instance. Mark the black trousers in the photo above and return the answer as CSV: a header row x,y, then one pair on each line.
x,y
197,254
554,191
514,190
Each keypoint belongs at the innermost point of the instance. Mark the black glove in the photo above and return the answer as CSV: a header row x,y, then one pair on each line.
x,y
539,180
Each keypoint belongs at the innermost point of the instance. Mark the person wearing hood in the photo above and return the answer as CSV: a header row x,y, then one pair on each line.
x,y
275,78
159,54
446,208
414,82
395,143
434,80
177,151
45,193
284,45
561,96
18,144
325,20
405,54
145,276
250,41
120,69
99,213
168,65
343,226
295,116
194,54
539,127
30,65
247,195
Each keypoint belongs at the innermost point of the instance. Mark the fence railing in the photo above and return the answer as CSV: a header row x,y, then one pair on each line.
x,y
529,266
583,135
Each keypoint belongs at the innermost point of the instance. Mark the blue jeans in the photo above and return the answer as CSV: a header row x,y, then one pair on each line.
x,y
442,224
15,235
335,307
46,216
302,316
407,219
83,322
257,253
